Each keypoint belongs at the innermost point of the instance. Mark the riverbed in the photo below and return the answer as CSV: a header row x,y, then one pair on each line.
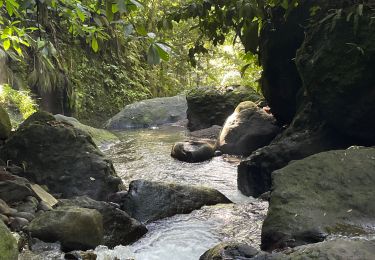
x,y
145,154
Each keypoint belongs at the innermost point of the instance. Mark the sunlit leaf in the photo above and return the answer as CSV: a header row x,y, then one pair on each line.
x,y
6,44
94,44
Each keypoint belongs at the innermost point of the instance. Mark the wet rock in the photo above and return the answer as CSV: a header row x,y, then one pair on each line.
x,y
76,228
101,137
119,228
18,223
324,194
229,250
30,205
4,208
148,201
193,151
246,130
8,244
359,249
212,132
14,189
344,93
61,157
24,215
212,106
307,135
151,112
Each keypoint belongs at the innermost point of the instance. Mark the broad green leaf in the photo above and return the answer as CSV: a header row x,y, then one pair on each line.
x,y
81,15
141,30
163,51
6,44
108,10
153,57
136,3
94,44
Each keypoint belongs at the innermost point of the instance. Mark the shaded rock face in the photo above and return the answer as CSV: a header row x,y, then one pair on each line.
x,y
212,133
8,244
279,41
14,188
149,201
306,136
61,157
76,228
343,93
119,228
327,193
208,107
229,250
192,151
151,112
246,130
5,125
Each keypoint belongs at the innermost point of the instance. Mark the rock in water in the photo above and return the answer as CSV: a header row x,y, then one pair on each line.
x,y
119,227
229,250
61,157
193,151
148,113
76,228
327,193
8,244
5,126
246,130
149,201
211,106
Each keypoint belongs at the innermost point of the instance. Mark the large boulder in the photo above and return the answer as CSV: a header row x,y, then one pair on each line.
x,y
148,201
76,228
343,93
8,244
230,250
212,106
330,193
101,137
5,125
246,130
193,151
61,157
148,113
304,137
119,227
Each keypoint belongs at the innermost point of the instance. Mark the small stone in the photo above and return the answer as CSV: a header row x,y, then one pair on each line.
x,y
25,215
17,223
4,218
4,208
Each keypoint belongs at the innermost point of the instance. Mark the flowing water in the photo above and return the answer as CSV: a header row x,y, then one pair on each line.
x,y
145,154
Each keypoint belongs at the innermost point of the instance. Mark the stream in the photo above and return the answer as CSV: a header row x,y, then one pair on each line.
x,y
145,154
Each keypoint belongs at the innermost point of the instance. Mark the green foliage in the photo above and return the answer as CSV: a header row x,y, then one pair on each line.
x,y
21,99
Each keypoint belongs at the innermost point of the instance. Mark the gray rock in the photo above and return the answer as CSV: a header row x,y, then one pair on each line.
x,y
212,132
24,215
193,151
4,208
8,244
149,201
230,250
330,193
61,157
101,137
151,112
246,130
15,189
74,227
119,227
18,223
211,106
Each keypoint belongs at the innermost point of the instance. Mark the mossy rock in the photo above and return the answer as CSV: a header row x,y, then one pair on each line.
x,y
8,244
5,125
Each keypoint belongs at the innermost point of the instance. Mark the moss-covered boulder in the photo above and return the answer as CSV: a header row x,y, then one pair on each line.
x,y
118,227
330,193
246,130
61,157
8,244
336,63
5,125
212,106
229,250
150,112
149,201
76,228
101,137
